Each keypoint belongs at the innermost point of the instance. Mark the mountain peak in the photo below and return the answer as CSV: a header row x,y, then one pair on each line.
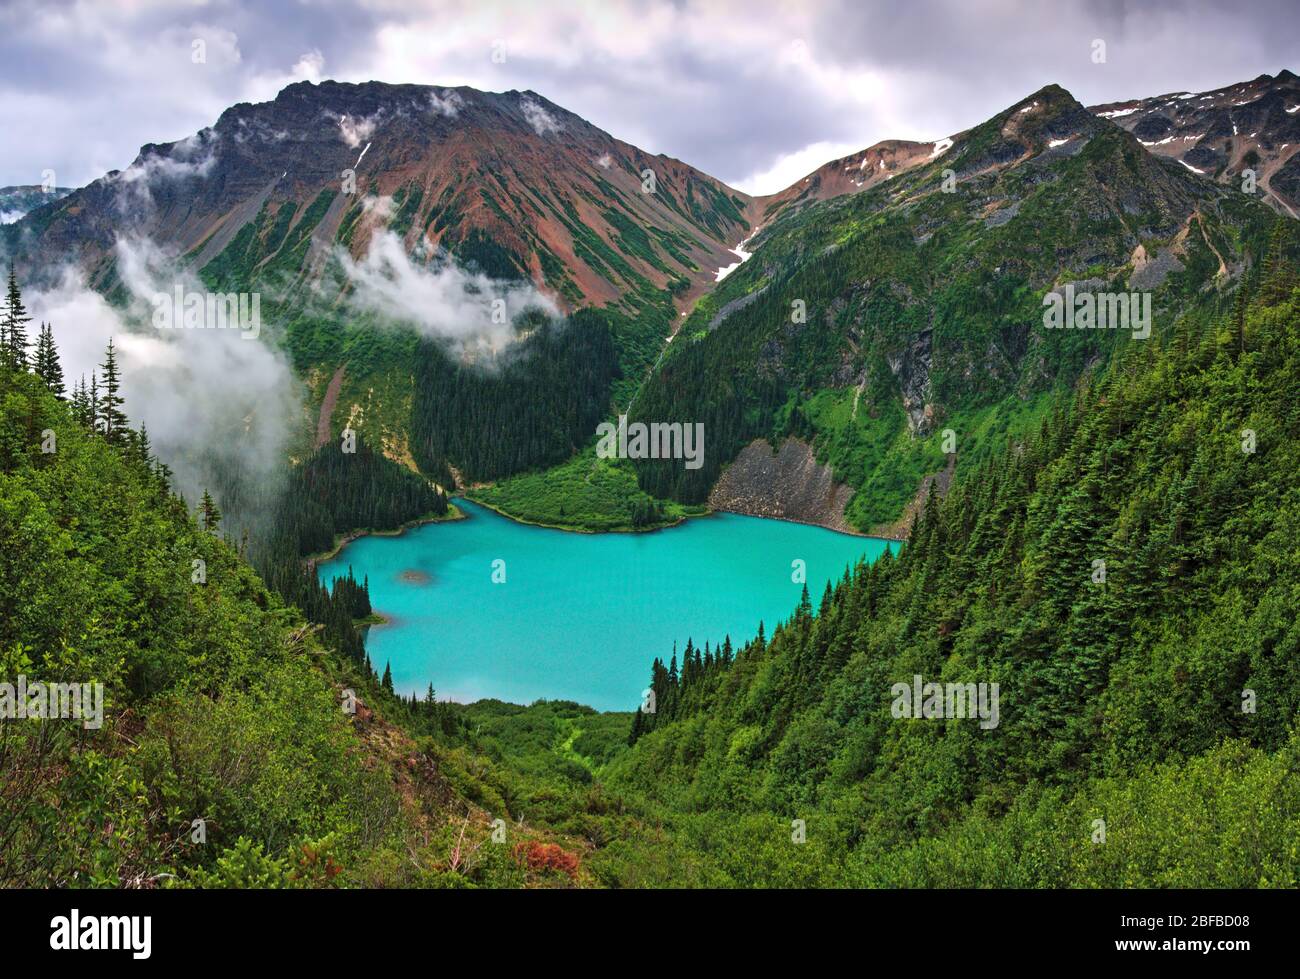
x,y
508,182
1221,134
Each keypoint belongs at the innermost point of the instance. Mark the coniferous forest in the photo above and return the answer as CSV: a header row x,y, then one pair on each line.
x,y
1172,718
413,485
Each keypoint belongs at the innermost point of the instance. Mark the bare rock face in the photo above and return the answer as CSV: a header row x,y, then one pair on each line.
x,y
788,485
911,366
1251,125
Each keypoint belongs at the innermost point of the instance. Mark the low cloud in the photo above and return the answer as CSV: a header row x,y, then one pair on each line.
x,y
220,409
190,158
541,120
467,311
354,131
448,104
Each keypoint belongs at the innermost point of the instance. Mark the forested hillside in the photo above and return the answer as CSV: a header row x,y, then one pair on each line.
x,y
1127,575
533,410
1145,734
870,324
241,743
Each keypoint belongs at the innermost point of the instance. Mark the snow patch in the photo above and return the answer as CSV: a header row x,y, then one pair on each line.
x,y
1190,167
1117,113
940,147
744,256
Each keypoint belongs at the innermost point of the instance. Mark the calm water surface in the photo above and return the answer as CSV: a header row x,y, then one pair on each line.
x,y
579,616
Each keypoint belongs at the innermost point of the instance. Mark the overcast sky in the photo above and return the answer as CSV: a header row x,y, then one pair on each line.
x,y
756,93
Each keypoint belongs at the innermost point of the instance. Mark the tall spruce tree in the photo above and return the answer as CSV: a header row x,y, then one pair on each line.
x,y
48,367
209,514
110,408
13,320
92,403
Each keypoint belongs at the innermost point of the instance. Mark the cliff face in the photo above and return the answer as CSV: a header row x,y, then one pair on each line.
x,y
788,484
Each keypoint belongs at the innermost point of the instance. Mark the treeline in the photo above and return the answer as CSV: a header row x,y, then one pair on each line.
x,y
1126,578
332,493
674,693
534,408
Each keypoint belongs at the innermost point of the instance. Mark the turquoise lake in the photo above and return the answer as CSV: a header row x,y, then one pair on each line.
x,y
579,616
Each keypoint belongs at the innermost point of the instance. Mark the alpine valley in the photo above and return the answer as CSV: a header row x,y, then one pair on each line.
x,y
458,291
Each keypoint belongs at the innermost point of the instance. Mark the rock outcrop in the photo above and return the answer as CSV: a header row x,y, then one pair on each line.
x,y
788,484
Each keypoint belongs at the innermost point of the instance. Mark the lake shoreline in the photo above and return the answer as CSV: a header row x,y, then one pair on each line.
x,y
891,538
584,530
812,523
581,615
453,513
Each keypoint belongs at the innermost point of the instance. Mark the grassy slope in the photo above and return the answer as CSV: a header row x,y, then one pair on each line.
x,y
585,494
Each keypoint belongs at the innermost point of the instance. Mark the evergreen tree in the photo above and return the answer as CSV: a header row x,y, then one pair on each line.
x,y
47,362
388,677
209,514
13,320
81,401
92,403
110,409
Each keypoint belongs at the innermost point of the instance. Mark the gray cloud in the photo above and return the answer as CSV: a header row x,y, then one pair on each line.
x,y
215,402
755,94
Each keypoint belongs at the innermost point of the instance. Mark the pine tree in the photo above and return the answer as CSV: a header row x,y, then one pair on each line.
x,y
13,332
209,514
388,677
637,727
110,409
92,403
80,401
1279,275
47,362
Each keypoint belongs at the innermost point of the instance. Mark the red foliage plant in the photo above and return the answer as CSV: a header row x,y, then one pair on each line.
x,y
546,856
